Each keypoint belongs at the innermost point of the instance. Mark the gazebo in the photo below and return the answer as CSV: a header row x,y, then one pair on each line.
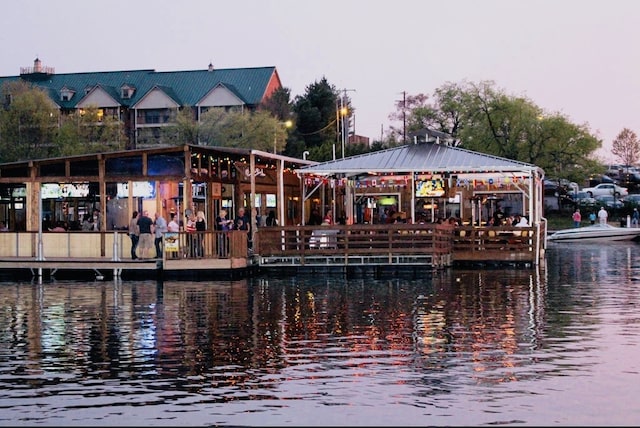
x,y
426,182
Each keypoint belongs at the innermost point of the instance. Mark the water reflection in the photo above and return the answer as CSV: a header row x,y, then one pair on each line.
x,y
455,348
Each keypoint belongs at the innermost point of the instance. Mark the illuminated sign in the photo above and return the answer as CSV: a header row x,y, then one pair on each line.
x,y
50,191
140,189
74,190
19,192
429,188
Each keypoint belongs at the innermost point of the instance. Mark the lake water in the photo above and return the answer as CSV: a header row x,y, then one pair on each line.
x,y
555,345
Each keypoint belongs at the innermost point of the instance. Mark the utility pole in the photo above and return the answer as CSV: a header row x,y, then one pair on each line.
x,y
344,110
404,117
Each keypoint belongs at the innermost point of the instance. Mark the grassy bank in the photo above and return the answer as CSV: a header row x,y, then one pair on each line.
x,y
557,221
564,220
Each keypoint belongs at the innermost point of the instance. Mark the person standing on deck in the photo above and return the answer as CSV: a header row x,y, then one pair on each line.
x,y
271,219
145,243
173,225
201,227
160,229
97,220
243,222
134,234
635,217
328,218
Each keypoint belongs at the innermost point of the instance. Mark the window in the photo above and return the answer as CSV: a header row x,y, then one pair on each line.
x,y
66,94
126,91
157,116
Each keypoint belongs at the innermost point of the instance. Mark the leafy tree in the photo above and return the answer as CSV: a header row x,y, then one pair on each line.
x,y
89,131
486,119
626,147
278,104
31,127
258,130
28,123
316,116
185,129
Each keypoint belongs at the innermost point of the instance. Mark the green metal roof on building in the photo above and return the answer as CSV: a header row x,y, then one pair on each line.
x,y
189,87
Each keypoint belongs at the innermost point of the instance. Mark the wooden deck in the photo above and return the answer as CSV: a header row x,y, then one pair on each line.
x,y
109,254
421,246
426,245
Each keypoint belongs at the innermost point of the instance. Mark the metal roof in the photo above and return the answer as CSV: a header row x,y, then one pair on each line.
x,y
249,84
262,156
420,157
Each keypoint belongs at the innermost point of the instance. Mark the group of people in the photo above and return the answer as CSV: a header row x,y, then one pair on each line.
x,y
602,217
146,234
315,219
242,221
499,218
89,222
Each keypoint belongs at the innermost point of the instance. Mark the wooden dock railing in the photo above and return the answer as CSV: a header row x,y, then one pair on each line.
x,y
116,245
431,244
423,243
355,244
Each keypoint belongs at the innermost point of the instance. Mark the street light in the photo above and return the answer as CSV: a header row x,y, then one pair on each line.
x,y
344,111
287,124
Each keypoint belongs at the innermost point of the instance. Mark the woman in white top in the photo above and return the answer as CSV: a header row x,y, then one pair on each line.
x,y
173,225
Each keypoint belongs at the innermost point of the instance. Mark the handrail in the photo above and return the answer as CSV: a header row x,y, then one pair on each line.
x,y
463,242
116,245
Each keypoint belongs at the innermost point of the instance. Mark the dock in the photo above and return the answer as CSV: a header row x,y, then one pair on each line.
x,y
288,250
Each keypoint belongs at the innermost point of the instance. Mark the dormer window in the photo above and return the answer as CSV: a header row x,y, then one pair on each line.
x,y
126,92
66,94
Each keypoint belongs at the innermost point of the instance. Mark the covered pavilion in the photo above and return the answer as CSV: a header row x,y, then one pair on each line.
x,y
426,182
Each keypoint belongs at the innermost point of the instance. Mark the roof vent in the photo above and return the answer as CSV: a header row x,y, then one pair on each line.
x,y
210,66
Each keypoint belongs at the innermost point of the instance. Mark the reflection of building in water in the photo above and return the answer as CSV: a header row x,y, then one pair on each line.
x,y
187,328
480,308
205,325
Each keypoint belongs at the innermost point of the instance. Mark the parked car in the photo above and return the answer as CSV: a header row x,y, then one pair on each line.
x,y
609,201
557,187
597,179
606,189
583,199
616,171
632,201
630,180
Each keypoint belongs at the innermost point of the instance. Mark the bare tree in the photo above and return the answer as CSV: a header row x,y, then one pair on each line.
x,y
626,147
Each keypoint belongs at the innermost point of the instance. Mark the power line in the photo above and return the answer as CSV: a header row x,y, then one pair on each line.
x,y
319,130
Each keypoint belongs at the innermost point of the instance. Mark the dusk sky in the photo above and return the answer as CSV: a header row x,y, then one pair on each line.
x,y
576,57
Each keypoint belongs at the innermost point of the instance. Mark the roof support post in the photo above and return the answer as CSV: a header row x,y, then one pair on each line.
x,y
280,184
254,210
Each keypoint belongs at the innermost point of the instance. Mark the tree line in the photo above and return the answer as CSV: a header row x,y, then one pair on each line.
x,y
478,116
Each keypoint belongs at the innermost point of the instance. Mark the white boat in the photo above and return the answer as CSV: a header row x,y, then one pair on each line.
x,y
597,233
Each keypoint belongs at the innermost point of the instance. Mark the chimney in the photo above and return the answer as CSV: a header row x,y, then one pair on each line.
x,y
37,65
210,66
